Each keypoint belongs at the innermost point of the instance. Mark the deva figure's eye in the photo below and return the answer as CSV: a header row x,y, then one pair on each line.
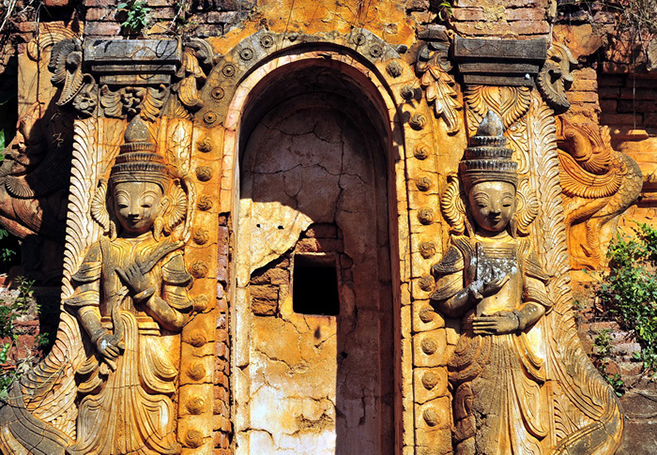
x,y
147,201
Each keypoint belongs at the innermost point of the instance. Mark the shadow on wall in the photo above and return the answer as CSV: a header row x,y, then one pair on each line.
x,y
314,206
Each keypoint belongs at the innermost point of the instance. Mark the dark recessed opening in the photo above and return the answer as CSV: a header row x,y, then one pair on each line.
x,y
315,285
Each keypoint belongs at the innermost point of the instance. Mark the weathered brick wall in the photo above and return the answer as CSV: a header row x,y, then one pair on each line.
x,y
629,101
167,17
508,19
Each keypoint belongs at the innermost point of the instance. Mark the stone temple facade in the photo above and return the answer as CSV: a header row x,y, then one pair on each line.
x,y
320,227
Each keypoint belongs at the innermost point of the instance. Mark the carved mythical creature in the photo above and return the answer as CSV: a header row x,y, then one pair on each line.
x,y
130,299
33,182
504,370
598,185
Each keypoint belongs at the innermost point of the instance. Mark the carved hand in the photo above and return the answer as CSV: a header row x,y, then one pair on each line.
x,y
139,282
106,347
496,324
492,287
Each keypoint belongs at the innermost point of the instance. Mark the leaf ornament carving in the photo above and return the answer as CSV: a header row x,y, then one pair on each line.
x,y
555,78
510,103
111,102
451,204
197,61
440,86
154,100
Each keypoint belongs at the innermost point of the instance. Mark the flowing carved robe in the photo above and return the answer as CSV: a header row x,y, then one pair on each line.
x,y
128,410
499,398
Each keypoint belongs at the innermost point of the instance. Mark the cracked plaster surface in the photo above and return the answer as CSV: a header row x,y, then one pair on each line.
x,y
319,384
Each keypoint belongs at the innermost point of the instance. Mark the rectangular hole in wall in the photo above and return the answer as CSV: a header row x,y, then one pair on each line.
x,y
315,285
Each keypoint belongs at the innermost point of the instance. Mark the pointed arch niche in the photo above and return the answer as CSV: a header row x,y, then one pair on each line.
x,y
314,153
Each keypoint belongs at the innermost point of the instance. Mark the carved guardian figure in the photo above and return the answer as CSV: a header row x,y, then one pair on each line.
x,y
130,300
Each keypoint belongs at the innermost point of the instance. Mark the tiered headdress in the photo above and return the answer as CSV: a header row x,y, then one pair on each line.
x,y
138,161
487,159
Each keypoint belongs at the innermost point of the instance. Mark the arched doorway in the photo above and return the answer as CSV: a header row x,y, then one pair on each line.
x,y
314,304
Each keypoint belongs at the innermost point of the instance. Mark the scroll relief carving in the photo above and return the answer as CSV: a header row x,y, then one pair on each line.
x,y
598,185
554,78
492,279
81,91
130,297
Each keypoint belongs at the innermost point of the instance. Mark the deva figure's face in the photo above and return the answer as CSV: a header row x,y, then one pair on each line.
x,y
493,205
138,204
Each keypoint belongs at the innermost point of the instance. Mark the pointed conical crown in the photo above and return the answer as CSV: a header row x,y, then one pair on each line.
x,y
488,158
138,160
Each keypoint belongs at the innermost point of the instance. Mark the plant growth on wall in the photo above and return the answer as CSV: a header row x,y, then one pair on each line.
x,y
629,290
134,15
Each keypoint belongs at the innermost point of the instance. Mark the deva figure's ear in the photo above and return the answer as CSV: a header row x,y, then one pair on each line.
x,y
99,210
158,224
451,204
175,210
526,209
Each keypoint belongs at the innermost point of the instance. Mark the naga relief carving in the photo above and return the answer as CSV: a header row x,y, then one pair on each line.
x,y
514,391
35,173
130,298
598,185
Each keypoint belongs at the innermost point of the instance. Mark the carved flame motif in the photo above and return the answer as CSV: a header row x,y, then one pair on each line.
x,y
439,85
66,66
510,103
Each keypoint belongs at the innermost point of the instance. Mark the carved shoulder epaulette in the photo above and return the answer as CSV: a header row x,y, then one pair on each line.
x,y
451,262
534,269
174,271
447,286
91,266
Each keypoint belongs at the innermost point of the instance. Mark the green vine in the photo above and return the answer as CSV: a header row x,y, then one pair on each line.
x,y
629,290
601,353
135,15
